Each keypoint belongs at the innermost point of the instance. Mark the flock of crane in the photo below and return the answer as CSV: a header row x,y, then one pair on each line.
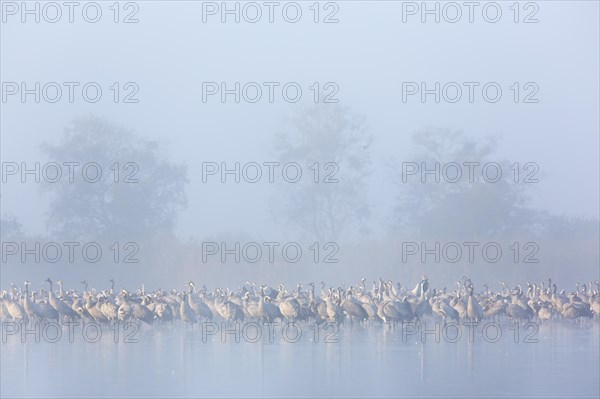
x,y
385,302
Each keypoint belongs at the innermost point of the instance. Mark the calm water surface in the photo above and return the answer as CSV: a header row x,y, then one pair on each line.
x,y
367,361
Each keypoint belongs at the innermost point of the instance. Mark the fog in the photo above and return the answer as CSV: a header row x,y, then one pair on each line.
x,y
300,142
366,57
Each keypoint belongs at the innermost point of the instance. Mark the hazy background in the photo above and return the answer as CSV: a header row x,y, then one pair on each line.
x,y
369,133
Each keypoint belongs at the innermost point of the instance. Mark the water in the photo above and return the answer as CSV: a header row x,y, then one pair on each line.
x,y
367,361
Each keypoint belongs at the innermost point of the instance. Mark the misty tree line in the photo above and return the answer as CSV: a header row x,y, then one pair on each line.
x,y
147,211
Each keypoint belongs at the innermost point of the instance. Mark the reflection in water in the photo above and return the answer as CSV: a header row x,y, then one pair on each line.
x,y
366,361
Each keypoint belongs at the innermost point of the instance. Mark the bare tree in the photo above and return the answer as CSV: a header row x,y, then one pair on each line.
x,y
332,146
